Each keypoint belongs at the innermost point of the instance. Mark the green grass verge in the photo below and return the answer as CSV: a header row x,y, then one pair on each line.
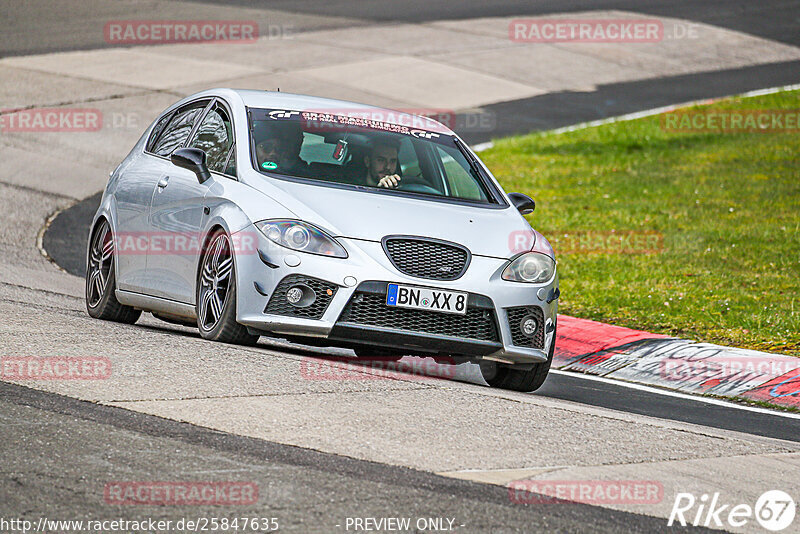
x,y
726,206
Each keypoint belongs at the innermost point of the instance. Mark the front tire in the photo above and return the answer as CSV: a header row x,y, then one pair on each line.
x,y
101,283
506,377
216,294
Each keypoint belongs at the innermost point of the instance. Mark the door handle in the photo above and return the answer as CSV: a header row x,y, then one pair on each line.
x,y
164,182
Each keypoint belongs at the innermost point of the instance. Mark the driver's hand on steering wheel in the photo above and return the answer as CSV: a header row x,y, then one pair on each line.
x,y
391,181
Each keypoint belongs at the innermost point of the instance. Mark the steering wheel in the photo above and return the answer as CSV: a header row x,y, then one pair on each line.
x,y
417,188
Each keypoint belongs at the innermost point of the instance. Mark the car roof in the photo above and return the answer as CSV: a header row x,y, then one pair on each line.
x,y
295,102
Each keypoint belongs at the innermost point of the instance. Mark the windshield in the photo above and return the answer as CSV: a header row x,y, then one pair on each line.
x,y
358,151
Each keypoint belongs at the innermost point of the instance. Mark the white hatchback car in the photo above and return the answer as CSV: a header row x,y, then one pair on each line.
x,y
250,213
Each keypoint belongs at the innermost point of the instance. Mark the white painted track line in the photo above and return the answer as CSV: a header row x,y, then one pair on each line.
x,y
676,394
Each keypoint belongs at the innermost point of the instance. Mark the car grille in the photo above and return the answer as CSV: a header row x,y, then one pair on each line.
x,y
426,258
518,338
278,305
371,309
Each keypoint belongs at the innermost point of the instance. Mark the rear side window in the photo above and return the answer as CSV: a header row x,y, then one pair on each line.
x,y
157,130
174,134
214,136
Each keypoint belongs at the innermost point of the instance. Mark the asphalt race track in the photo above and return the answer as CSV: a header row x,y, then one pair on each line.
x,y
772,19
321,451
301,486
68,252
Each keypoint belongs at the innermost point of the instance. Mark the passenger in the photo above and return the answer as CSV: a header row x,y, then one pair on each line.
x,y
268,153
382,165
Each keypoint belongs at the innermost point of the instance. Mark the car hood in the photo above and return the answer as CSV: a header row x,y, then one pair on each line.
x,y
371,216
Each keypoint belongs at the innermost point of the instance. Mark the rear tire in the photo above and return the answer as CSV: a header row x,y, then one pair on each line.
x,y
216,294
503,376
101,301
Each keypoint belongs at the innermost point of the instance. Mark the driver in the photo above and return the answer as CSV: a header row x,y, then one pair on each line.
x,y
292,143
382,165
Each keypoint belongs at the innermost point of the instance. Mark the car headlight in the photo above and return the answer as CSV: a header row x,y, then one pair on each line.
x,y
531,267
301,236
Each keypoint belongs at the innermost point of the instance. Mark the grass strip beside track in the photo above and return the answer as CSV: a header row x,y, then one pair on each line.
x,y
694,234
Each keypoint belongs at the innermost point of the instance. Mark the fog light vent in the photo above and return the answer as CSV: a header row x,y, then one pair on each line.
x,y
526,325
301,296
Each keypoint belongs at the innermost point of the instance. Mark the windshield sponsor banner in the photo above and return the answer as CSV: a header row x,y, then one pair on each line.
x,y
421,118
128,32
586,30
55,368
416,118
333,122
605,492
181,493
732,121
51,120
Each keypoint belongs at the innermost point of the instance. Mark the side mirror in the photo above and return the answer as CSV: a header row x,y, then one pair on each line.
x,y
192,159
523,203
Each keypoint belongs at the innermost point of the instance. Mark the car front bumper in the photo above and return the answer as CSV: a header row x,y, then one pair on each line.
x,y
342,318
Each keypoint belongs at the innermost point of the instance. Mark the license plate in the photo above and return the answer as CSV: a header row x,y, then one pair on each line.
x,y
420,298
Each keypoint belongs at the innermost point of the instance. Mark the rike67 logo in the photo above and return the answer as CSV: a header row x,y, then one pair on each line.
x,y
774,510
